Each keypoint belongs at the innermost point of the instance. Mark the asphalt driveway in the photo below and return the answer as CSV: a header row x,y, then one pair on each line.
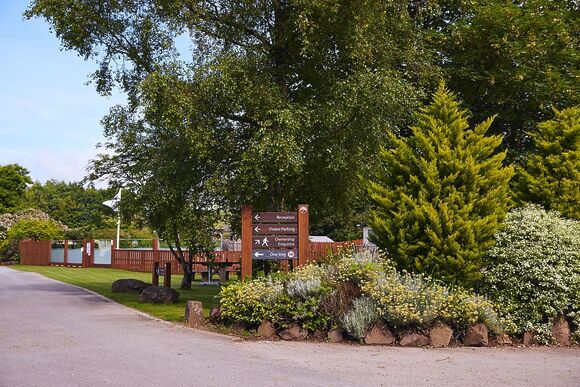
x,y
53,334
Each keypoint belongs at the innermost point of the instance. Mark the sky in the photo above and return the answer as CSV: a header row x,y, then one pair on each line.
x,y
49,117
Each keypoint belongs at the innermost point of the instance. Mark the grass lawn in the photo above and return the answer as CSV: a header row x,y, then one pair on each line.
x,y
100,280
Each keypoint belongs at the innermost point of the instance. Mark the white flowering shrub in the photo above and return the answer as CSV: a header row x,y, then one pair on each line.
x,y
534,271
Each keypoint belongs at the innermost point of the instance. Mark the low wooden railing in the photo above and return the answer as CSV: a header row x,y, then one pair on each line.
x,y
142,260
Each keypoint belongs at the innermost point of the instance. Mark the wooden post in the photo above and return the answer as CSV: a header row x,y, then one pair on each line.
x,y
303,234
92,256
155,279
167,277
246,241
65,261
155,249
113,252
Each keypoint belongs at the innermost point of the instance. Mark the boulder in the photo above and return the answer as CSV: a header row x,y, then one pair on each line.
x,y
476,336
440,335
128,285
158,295
294,332
335,335
529,338
413,339
503,339
561,331
266,329
380,335
215,313
194,312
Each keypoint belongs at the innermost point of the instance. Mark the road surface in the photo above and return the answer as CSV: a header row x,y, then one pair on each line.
x,y
53,334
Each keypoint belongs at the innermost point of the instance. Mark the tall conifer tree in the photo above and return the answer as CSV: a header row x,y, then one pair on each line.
x,y
551,176
441,194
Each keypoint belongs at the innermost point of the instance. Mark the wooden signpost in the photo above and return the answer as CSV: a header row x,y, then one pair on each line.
x,y
161,271
273,235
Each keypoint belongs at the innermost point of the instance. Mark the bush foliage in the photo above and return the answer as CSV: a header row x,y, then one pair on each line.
x,y
27,228
551,176
534,270
442,194
354,291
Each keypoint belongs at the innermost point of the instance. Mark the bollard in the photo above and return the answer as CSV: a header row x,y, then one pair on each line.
x,y
167,278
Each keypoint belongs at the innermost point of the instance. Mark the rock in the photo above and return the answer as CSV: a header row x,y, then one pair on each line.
x,y
319,335
561,331
440,335
335,335
380,335
528,338
503,339
194,312
158,295
294,332
413,339
215,313
476,336
128,285
238,326
266,329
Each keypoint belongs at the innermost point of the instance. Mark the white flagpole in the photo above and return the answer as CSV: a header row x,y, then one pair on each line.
x,y
118,221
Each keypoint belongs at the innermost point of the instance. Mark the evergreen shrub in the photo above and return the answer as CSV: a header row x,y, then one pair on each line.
x,y
551,176
441,193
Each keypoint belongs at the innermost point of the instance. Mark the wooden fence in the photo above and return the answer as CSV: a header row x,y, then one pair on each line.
x,y
35,252
320,250
142,260
39,253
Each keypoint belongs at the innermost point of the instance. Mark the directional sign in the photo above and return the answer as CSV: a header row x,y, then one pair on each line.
x,y
265,229
274,254
275,217
267,241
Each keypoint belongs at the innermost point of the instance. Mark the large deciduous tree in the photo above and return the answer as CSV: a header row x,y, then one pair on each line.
x,y
441,194
13,181
516,59
168,161
297,92
72,204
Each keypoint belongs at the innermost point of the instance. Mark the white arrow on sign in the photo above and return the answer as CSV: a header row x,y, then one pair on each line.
x,y
257,229
257,217
258,254
257,242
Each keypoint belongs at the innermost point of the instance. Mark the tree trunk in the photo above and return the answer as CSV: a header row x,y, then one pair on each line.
x,y
185,265
186,280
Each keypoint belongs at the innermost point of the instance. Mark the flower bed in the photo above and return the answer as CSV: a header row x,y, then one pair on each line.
x,y
359,295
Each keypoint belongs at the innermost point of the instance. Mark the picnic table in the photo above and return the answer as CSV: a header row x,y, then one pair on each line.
x,y
222,267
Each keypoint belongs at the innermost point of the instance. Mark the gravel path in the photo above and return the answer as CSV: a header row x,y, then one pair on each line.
x,y
53,334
